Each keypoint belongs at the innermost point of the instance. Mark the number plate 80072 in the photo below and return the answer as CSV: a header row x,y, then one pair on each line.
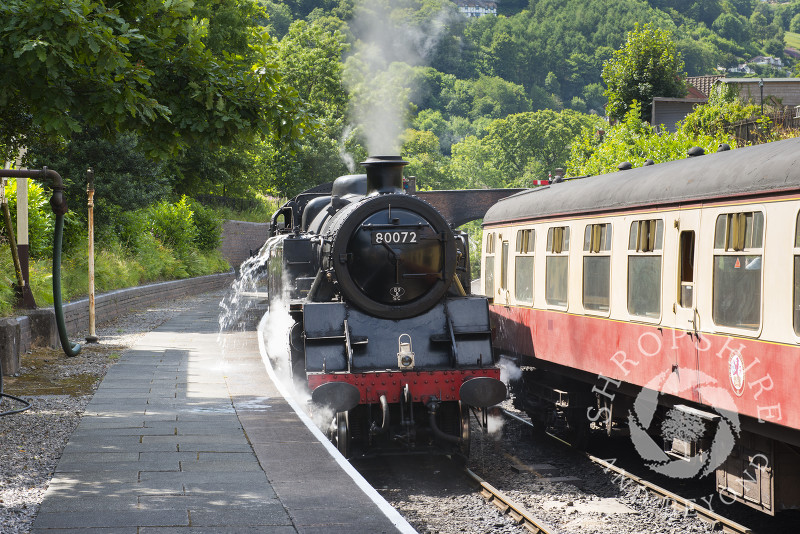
x,y
394,238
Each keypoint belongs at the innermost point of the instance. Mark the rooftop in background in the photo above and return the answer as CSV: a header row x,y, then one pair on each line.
x,y
703,84
476,8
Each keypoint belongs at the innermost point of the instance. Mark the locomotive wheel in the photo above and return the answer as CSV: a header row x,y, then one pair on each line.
x,y
297,353
342,435
464,448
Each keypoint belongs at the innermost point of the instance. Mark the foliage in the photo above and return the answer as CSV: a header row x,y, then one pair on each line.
x,y
173,225
140,65
723,108
124,177
519,148
635,141
7,278
41,221
208,225
310,59
648,65
421,150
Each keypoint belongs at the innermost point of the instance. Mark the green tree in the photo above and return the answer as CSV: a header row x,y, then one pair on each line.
x,y
635,141
310,59
794,25
140,65
759,26
648,65
421,150
731,26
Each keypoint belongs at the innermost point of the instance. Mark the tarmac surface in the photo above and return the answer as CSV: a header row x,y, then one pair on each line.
x,y
184,436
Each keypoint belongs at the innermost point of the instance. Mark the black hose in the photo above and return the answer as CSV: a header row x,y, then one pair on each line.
x,y
12,397
432,408
69,349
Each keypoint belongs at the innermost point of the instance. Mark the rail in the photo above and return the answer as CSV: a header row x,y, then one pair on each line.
x,y
680,503
507,506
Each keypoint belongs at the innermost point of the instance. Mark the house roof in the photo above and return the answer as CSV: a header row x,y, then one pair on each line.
x,y
756,80
703,84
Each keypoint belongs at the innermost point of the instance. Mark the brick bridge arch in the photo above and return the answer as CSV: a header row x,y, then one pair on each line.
x,y
462,206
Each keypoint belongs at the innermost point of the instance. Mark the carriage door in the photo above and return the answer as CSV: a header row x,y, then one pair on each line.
x,y
685,338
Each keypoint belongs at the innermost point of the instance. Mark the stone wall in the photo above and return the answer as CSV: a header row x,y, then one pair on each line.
x,y
240,239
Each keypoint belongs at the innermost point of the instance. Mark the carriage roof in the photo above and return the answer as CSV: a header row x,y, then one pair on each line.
x,y
763,169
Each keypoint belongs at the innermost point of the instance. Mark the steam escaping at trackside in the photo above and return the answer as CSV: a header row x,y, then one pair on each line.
x,y
375,74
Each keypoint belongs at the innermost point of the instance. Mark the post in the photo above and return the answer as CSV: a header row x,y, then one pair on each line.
x,y
23,247
92,337
761,87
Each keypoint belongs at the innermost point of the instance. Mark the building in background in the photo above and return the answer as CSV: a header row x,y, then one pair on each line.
x,y
477,8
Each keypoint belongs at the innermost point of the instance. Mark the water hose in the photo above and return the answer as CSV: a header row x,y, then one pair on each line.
x,y
25,404
59,206
69,349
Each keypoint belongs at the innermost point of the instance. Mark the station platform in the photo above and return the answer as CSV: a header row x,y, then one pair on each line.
x,y
187,433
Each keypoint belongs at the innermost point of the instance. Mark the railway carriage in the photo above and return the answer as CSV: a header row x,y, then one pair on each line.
x,y
664,299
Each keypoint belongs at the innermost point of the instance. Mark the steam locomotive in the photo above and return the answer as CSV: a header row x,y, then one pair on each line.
x,y
384,334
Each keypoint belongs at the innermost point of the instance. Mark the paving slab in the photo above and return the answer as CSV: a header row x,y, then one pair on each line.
x,y
184,436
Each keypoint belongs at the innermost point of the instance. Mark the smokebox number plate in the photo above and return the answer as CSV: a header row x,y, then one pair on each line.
x,y
394,238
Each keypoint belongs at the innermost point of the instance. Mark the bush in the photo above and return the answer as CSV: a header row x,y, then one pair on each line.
x,y
41,220
7,278
173,225
208,225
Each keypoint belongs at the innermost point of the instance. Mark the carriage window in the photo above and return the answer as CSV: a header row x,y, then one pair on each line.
x,y
597,267
686,270
557,266
737,270
523,266
504,266
644,268
489,267
796,299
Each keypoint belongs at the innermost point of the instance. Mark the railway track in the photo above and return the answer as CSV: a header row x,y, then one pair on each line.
x,y
517,512
719,522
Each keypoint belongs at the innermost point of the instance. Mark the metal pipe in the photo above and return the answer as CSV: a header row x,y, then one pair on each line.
x,y
439,433
375,429
59,207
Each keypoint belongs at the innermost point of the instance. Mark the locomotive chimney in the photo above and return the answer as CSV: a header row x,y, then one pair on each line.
x,y
384,174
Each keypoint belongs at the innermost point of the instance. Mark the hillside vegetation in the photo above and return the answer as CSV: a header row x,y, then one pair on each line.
x,y
249,99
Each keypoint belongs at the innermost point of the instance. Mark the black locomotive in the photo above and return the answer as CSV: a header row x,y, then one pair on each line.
x,y
385,333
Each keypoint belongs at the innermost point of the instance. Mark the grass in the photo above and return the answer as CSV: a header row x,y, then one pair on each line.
x,y
263,213
793,40
115,268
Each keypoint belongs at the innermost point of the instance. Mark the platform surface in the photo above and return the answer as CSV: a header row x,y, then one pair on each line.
x,y
187,434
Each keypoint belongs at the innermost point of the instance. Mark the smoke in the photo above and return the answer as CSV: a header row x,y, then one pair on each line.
x,y
377,74
494,426
509,372
346,157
